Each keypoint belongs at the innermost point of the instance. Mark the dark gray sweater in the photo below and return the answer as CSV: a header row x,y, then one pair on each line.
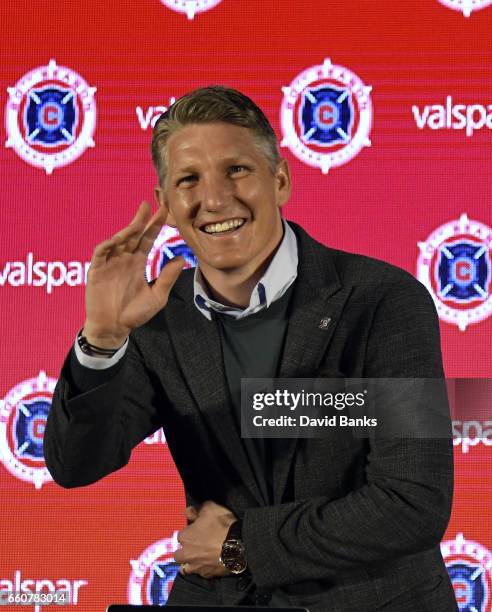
x,y
251,348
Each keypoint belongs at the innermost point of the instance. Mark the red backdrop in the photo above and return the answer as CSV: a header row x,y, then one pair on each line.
x,y
77,164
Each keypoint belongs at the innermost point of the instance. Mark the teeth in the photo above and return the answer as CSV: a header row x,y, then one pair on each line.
x,y
216,228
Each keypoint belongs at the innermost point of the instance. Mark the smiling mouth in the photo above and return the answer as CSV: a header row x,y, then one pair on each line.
x,y
228,226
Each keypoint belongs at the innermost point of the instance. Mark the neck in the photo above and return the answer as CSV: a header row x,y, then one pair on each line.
x,y
232,291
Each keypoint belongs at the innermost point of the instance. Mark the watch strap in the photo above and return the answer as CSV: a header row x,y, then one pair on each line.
x,y
235,531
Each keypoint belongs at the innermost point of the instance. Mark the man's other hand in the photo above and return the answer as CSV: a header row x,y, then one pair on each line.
x,y
202,540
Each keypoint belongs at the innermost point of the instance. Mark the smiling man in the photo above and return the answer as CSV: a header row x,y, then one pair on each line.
x,y
224,194
345,524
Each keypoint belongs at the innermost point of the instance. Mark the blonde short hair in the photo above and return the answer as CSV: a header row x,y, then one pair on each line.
x,y
210,105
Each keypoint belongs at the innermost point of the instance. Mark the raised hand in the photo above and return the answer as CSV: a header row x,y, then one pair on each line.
x,y
118,297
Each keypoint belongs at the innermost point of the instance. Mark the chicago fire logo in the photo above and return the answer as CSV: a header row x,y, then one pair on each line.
x,y
167,245
469,566
466,6
23,415
455,266
50,117
190,7
153,573
326,116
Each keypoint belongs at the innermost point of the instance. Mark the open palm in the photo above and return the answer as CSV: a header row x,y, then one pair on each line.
x,y
118,297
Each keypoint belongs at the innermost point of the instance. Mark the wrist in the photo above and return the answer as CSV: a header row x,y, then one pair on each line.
x,y
95,350
233,555
107,341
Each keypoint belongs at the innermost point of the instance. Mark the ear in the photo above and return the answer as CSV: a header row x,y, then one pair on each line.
x,y
284,184
161,201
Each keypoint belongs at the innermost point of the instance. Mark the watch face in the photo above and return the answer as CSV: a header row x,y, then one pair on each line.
x,y
233,556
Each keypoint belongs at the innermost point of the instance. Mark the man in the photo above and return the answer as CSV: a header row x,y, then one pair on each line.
x,y
339,524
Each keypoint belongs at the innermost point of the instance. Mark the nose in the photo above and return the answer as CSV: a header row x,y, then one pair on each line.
x,y
215,192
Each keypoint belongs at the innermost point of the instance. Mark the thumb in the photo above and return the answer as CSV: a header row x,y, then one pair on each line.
x,y
166,279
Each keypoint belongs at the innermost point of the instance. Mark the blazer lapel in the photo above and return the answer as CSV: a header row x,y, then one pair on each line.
x,y
197,344
317,304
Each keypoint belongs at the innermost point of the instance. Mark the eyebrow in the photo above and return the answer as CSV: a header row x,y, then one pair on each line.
x,y
185,170
190,168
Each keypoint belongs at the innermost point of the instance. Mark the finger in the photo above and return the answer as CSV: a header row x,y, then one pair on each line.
x,y
131,234
152,230
136,226
102,251
185,569
210,506
191,513
179,556
166,279
139,226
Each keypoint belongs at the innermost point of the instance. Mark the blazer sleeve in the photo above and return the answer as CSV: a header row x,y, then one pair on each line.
x,y
98,416
404,505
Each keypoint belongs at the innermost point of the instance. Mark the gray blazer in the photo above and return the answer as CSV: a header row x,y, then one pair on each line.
x,y
355,526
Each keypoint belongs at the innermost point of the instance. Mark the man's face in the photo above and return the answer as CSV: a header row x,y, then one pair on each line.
x,y
223,197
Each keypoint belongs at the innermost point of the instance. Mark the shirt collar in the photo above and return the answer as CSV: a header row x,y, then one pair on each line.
x,y
278,277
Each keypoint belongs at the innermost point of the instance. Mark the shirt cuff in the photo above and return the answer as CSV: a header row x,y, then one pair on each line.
x,y
99,363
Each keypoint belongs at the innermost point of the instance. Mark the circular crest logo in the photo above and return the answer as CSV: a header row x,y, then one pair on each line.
x,y
469,566
23,415
168,245
190,7
153,573
326,116
466,6
50,117
455,266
